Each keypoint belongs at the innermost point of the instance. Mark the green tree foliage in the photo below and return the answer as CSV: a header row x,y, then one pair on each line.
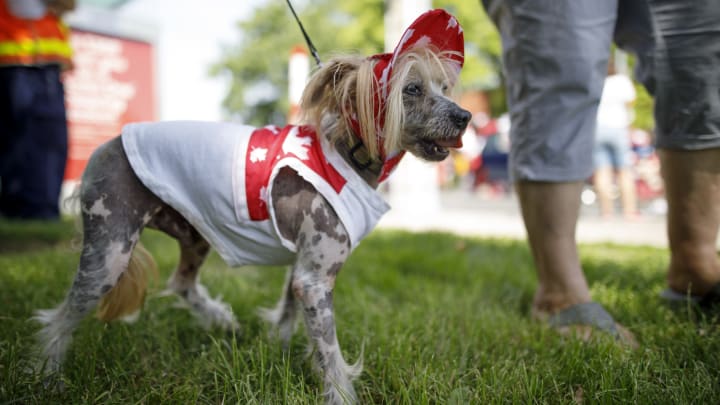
x,y
258,64
644,106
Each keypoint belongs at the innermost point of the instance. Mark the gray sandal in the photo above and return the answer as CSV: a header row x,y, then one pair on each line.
x,y
588,313
707,301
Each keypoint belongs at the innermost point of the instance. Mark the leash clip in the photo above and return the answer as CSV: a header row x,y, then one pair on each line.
x,y
354,150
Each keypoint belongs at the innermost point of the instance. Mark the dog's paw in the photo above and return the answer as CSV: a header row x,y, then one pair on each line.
x,y
211,312
338,384
218,314
340,393
54,382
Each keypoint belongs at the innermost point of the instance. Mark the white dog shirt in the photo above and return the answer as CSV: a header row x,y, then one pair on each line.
x,y
219,177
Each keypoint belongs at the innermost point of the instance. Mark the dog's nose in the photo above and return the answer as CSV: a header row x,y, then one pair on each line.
x,y
461,118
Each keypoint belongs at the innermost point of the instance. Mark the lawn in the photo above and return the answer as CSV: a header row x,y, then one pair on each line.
x,y
441,319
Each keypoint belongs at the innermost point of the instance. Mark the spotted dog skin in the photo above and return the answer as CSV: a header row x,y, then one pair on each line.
x,y
323,246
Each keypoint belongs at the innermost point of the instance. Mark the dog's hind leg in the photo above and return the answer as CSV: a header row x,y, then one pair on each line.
x,y
323,245
115,207
184,282
283,317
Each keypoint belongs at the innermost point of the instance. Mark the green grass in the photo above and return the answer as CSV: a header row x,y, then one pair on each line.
x,y
442,319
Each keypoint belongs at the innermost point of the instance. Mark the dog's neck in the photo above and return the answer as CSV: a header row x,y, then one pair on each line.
x,y
357,156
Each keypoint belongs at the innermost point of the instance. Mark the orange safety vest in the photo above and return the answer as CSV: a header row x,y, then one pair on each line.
x,y
33,42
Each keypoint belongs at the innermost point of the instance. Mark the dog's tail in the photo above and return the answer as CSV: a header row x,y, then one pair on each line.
x,y
127,297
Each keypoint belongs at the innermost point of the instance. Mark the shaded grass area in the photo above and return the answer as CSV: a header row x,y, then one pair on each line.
x,y
441,319
19,236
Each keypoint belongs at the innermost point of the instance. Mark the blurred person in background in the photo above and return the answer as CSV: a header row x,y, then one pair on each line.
x,y
34,51
612,153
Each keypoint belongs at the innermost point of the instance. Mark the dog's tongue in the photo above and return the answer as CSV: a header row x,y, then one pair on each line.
x,y
450,142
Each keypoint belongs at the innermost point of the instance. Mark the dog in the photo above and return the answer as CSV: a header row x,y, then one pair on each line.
x,y
300,195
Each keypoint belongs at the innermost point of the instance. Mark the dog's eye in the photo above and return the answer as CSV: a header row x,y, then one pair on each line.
x,y
413,89
445,88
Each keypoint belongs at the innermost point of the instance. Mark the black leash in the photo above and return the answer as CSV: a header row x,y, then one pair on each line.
x,y
313,51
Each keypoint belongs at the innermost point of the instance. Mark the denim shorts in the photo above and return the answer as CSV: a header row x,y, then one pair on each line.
x,y
555,55
686,66
612,148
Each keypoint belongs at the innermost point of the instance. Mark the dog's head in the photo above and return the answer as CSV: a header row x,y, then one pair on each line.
x,y
395,102
420,116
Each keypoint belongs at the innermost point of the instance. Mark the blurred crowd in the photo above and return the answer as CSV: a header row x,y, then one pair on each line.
x,y
481,166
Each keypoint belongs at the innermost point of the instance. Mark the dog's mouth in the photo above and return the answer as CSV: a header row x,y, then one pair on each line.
x,y
439,148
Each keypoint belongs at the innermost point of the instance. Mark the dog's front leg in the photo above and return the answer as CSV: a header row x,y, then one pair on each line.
x,y
323,246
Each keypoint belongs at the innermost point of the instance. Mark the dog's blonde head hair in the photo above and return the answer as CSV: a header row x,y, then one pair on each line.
x,y
344,90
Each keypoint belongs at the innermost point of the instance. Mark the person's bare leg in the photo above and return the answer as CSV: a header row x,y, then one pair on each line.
x,y
692,188
602,182
550,212
628,196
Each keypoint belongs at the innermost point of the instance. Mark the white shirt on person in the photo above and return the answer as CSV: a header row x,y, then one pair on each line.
x,y
613,111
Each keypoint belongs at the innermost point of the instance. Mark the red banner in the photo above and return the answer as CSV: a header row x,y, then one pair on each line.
x,y
112,83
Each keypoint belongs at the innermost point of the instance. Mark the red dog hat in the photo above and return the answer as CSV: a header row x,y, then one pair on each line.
x,y
436,29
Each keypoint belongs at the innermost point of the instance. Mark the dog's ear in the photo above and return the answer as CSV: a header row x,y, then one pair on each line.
x,y
331,89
